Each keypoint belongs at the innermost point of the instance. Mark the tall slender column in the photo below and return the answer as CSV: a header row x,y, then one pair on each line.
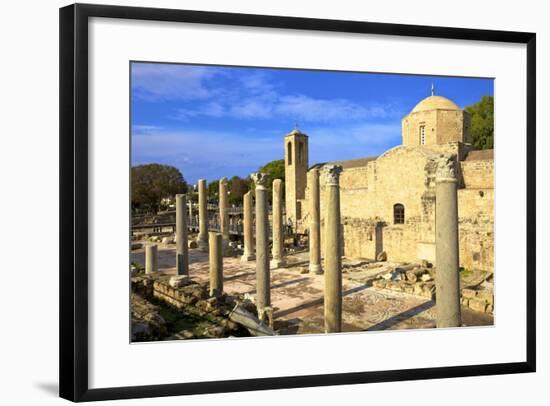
x,y
277,251
263,294
248,254
447,277
151,262
333,251
202,238
224,212
182,248
314,223
190,215
216,263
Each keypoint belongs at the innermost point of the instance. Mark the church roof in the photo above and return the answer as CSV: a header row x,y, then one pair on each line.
x,y
435,103
350,163
481,155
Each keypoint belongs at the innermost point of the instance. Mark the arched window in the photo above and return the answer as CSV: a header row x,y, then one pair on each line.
x,y
300,152
289,153
398,214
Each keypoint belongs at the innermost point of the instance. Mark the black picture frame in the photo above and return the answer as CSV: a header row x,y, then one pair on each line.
x,y
73,254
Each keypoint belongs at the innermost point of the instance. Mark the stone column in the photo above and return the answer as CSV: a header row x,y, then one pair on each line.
x,y
277,251
333,251
248,254
190,216
224,212
314,222
263,294
182,248
216,263
151,262
447,280
202,239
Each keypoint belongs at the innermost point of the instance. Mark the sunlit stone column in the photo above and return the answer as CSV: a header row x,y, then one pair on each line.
x,y
182,248
314,223
333,265
224,212
190,215
263,294
216,263
447,281
151,262
202,239
248,254
277,250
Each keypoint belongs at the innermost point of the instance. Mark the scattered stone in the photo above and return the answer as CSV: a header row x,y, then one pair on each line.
x,y
168,240
426,264
178,281
304,270
426,277
193,244
382,256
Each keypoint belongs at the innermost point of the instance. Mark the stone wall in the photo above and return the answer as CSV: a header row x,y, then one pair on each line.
x,y
406,175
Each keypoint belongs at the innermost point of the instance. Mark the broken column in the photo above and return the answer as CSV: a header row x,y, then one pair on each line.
x,y
314,223
333,265
202,239
151,262
263,294
248,228
277,250
215,255
447,281
182,249
224,212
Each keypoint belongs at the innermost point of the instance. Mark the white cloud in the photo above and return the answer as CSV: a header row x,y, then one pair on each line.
x,y
219,93
152,81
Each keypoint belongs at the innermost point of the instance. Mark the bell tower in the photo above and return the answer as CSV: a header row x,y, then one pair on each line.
x,y
296,166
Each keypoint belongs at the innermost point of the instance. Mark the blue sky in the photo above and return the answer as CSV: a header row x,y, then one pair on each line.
x,y
211,121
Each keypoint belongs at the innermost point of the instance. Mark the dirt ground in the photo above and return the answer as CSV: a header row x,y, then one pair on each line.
x,y
297,298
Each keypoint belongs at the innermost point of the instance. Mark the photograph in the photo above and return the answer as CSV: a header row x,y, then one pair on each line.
x,y
278,201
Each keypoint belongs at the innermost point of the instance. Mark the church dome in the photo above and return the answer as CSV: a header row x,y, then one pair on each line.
x,y
435,103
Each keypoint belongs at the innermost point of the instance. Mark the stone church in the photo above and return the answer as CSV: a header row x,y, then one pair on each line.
x,y
388,201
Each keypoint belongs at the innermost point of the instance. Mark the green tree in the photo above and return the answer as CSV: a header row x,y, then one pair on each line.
x,y
482,126
237,188
275,170
213,189
153,182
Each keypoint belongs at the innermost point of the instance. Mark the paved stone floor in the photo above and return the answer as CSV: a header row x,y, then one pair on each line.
x,y
297,298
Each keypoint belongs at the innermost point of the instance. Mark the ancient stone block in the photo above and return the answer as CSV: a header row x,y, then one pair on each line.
x,y
477,304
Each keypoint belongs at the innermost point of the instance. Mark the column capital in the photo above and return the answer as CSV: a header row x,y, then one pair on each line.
x,y
332,174
446,168
260,179
223,181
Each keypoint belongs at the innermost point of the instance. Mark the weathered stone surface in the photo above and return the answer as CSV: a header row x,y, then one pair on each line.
x,y
477,304
486,295
469,293
178,281
333,252
446,242
382,256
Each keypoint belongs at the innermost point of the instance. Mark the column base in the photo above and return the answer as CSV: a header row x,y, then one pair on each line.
x,y
202,245
277,263
316,269
248,257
